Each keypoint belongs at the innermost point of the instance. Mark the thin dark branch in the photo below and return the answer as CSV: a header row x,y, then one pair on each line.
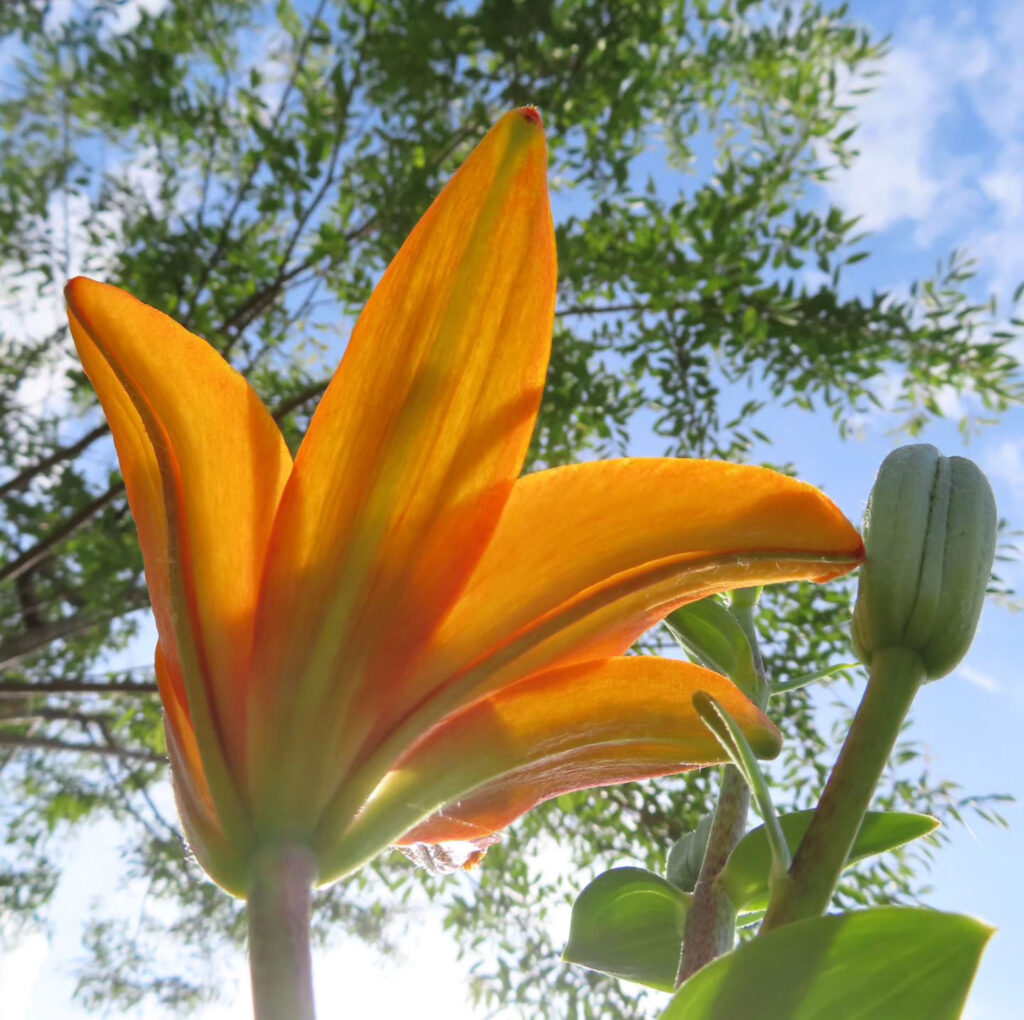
x,y
50,744
298,399
23,477
133,778
46,546
28,559
26,713
204,193
19,688
304,308
253,306
243,190
255,303
28,602
615,309
23,645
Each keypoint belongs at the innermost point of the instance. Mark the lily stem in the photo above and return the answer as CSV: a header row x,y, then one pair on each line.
x,y
711,922
279,954
896,675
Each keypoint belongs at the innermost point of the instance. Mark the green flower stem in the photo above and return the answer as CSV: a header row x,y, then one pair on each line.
x,y
279,956
711,923
895,676
731,737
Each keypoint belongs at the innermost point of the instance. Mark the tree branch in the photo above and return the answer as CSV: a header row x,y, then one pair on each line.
x,y
19,688
51,744
23,645
23,477
44,547
282,105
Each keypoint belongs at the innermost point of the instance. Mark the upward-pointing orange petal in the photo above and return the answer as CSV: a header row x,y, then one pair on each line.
x,y
408,461
204,466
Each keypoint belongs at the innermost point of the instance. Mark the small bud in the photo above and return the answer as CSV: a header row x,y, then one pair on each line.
x,y
930,534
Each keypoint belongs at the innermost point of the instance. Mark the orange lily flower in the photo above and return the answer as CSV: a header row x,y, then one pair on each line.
x,y
396,639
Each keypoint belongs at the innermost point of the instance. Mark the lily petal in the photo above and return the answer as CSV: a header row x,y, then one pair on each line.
x,y
588,557
409,459
222,858
592,724
204,466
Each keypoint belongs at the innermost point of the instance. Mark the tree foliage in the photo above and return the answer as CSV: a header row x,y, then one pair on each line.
x,y
250,168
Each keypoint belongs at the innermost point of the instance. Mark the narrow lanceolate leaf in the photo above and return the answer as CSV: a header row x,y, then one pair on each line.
x,y
785,686
408,462
892,963
730,735
593,724
629,923
745,877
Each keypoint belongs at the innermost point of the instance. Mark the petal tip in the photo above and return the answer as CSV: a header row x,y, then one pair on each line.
x,y
523,128
74,286
79,291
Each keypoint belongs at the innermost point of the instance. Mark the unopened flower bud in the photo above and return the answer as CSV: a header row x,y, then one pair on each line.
x,y
930,534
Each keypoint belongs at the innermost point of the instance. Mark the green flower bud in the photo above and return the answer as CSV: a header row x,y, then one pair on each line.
x,y
930,537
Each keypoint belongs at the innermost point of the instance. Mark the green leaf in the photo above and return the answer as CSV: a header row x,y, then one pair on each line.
x,y
629,923
712,637
731,737
686,855
785,686
893,963
745,877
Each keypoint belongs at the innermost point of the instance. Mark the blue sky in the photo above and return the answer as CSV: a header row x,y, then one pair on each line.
x,y
941,166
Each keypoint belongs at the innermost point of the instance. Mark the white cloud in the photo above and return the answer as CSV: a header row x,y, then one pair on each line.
x,y
979,678
999,96
889,181
1004,462
19,973
129,14
940,138
1004,184
122,18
